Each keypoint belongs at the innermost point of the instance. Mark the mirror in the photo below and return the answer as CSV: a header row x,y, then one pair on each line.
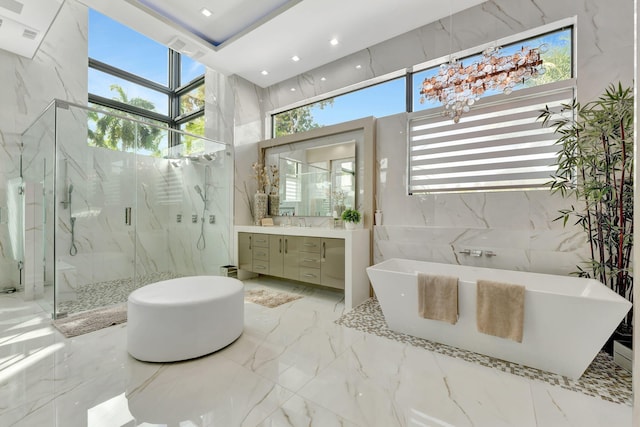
x,y
361,133
315,180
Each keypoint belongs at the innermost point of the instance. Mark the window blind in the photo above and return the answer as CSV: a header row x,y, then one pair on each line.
x,y
497,145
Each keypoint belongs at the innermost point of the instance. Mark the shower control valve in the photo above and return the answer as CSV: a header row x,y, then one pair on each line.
x,y
212,219
194,219
179,218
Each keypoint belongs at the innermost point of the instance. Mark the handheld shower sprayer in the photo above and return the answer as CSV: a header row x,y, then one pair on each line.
x,y
199,191
67,203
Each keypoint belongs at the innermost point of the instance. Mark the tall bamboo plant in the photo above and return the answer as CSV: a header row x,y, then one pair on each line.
x,y
595,165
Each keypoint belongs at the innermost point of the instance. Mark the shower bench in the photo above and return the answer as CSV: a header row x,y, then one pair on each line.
x,y
184,318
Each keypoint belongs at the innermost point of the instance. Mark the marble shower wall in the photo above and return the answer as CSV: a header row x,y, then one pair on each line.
x,y
519,225
106,183
58,70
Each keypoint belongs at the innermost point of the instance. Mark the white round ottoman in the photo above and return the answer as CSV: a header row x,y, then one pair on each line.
x,y
184,318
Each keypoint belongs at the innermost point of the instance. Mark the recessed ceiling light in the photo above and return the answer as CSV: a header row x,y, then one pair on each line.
x,y
206,12
358,66
334,42
295,58
264,72
293,89
323,79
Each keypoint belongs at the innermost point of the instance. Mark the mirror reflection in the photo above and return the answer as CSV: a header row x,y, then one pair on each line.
x,y
315,181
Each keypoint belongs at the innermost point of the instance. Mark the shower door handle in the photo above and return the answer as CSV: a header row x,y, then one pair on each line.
x,y
127,216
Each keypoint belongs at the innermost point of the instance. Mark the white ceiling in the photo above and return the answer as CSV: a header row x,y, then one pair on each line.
x,y
24,23
245,37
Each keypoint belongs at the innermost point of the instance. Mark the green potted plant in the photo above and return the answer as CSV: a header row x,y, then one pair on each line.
x,y
350,217
595,167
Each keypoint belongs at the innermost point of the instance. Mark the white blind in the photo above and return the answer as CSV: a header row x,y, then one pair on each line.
x,y
499,144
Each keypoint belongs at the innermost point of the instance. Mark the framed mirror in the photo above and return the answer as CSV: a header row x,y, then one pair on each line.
x,y
323,169
315,180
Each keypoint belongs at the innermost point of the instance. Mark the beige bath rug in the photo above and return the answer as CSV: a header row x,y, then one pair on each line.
x,y
269,298
89,321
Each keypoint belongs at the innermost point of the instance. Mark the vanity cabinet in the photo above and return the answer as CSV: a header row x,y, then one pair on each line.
x,y
332,272
309,260
291,257
276,255
245,252
332,258
291,265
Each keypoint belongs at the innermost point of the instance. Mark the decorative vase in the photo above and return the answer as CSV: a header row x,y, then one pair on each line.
x,y
338,209
349,225
274,204
260,201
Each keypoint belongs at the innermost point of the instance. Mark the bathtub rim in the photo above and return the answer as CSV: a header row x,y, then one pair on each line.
x,y
601,292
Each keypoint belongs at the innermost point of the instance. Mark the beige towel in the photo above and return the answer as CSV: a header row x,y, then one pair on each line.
x,y
438,297
500,309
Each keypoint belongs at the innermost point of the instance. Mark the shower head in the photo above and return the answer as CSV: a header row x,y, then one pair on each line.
x,y
208,157
70,188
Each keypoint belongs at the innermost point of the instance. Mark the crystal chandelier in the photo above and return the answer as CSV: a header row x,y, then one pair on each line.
x,y
458,87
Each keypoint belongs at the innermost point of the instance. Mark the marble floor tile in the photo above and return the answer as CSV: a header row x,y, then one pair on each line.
x,y
292,366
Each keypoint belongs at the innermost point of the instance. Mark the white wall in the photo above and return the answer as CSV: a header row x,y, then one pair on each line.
x,y
519,225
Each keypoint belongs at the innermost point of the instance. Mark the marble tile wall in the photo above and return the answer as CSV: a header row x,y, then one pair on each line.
x,y
519,225
58,70
106,183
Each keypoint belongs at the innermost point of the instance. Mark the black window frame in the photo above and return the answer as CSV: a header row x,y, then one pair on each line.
x,y
173,91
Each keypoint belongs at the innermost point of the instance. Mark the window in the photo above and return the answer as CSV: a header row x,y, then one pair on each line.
x,y
498,145
557,60
136,77
378,100
118,45
292,181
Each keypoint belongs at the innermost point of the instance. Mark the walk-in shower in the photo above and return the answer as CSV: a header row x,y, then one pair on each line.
x,y
109,213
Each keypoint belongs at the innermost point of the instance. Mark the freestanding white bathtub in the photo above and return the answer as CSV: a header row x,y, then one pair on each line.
x,y
567,319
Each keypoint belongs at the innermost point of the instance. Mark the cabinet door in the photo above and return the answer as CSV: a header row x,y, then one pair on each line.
x,y
291,266
245,254
332,263
276,255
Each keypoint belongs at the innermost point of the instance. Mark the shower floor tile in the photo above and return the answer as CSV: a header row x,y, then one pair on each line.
x,y
108,293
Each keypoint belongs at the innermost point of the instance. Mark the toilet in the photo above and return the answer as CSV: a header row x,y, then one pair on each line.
x,y
184,318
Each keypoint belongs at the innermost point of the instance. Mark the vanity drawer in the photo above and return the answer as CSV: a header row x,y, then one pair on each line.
x,y
310,275
260,254
261,267
309,259
260,240
310,244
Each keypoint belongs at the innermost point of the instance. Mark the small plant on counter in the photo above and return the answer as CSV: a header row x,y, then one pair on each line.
x,y
351,215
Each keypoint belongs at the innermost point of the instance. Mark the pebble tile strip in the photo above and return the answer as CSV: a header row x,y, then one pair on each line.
x,y
602,379
112,292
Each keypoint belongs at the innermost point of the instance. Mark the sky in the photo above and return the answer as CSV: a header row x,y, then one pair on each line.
x,y
115,44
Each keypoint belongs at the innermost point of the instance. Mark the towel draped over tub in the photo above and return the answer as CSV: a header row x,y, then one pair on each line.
x,y
500,309
438,297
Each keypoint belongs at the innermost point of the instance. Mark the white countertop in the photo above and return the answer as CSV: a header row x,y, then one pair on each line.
x,y
300,231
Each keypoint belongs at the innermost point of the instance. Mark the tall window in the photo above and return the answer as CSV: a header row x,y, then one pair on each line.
x,y
134,76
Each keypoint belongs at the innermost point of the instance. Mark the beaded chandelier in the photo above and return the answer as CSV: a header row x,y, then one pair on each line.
x,y
458,87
